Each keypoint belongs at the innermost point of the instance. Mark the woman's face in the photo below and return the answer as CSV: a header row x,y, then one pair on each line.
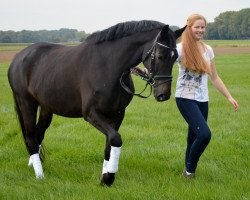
x,y
198,29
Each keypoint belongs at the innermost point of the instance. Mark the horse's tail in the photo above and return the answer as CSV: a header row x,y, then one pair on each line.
x,y
21,123
20,118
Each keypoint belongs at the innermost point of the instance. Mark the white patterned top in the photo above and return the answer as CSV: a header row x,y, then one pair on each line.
x,y
192,85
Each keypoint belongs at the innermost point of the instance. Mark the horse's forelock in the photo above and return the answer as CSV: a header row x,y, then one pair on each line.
x,y
124,29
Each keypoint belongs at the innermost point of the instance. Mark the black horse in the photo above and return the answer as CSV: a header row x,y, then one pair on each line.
x,y
84,81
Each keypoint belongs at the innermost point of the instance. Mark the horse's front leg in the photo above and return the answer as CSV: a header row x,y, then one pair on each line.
x,y
113,145
110,164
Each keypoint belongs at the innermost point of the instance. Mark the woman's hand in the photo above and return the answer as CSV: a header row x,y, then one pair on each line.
x,y
234,103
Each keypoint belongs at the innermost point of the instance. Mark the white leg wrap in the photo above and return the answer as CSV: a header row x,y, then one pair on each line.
x,y
114,159
30,164
37,165
105,167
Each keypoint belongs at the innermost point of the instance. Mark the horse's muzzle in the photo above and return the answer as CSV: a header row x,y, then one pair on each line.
x,y
162,97
162,90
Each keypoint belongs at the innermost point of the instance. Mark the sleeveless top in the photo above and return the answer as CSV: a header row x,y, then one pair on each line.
x,y
192,85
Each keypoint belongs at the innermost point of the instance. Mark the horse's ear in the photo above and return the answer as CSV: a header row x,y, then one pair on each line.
x,y
179,32
165,29
164,32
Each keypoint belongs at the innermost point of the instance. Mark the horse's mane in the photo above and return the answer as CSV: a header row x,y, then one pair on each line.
x,y
123,29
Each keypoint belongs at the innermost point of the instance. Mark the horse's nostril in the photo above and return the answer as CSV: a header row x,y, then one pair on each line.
x,y
162,97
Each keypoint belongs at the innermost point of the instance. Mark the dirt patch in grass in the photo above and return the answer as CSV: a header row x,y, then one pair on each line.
x,y
7,56
230,50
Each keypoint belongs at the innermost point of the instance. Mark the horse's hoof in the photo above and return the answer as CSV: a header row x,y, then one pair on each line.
x,y
108,179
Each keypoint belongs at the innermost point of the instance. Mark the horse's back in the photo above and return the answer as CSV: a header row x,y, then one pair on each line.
x,y
23,63
37,73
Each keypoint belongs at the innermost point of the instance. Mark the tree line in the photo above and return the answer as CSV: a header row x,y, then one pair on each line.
x,y
228,25
56,36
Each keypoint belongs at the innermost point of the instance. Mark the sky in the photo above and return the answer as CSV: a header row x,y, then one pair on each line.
x,y
95,15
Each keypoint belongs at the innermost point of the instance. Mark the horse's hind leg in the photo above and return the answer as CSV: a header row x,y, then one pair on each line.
x,y
43,123
27,110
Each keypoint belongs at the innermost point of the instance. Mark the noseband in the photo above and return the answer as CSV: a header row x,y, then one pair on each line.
x,y
151,54
150,78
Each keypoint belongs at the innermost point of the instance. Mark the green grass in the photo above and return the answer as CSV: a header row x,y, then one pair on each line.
x,y
152,156
20,46
12,46
229,43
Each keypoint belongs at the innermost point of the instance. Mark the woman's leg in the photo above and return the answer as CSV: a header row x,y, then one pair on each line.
x,y
190,140
195,114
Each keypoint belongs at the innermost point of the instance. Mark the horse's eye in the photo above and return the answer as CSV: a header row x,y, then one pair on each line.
x,y
159,57
172,54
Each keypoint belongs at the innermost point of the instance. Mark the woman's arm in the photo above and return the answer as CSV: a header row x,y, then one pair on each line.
x,y
220,86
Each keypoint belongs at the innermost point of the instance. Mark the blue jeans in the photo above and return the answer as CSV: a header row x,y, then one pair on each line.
x,y
195,113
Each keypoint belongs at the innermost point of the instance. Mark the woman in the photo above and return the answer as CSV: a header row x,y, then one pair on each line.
x,y
196,63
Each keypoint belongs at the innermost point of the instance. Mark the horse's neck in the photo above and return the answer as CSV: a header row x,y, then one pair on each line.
x,y
130,49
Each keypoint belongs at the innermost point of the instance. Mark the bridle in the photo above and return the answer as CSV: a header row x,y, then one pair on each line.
x,y
151,53
150,78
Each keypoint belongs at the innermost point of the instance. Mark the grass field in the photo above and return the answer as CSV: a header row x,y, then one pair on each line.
x,y
229,43
152,156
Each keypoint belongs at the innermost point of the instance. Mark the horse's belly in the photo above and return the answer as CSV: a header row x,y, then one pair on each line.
x,y
71,114
63,104
65,111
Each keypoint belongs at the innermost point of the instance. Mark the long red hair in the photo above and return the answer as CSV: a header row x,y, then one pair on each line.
x,y
192,57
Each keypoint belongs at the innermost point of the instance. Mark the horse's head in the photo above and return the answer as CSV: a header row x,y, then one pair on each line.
x,y
159,61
